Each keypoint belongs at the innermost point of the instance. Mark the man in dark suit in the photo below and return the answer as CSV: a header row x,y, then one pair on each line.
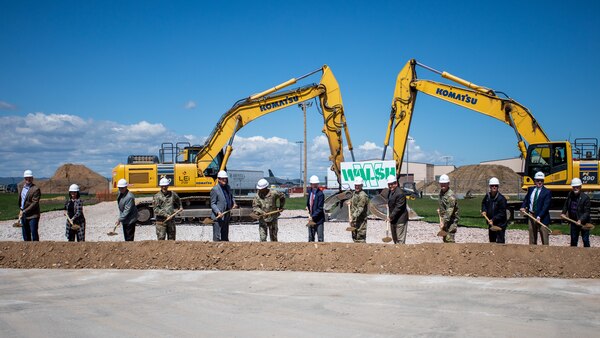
x,y
29,207
537,201
314,205
398,214
577,208
221,201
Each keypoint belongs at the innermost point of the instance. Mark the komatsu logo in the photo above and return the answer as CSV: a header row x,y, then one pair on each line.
x,y
280,103
465,98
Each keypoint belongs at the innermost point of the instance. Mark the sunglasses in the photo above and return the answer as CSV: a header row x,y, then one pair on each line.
x,y
493,186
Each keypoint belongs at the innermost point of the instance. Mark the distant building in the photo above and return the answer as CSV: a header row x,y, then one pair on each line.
x,y
515,163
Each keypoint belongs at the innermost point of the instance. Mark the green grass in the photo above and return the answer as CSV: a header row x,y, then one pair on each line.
x,y
9,204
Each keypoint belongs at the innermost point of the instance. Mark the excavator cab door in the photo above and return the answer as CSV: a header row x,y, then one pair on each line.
x,y
549,158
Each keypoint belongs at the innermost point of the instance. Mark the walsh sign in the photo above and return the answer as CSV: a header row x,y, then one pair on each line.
x,y
374,173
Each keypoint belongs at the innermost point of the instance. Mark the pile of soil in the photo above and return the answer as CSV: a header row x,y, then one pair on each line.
x,y
88,180
472,259
475,178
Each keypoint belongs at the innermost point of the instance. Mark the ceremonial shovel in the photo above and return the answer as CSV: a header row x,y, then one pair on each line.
x,y
493,227
170,217
587,226
257,217
552,232
209,220
387,237
441,233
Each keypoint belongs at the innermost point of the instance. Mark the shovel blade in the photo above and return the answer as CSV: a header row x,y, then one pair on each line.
x,y
588,226
112,233
350,229
17,225
442,233
386,239
207,221
254,216
495,228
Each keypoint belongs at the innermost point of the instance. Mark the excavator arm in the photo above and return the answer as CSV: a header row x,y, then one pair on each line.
x,y
474,97
247,110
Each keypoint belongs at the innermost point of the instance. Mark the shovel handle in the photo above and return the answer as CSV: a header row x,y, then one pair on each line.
x,y
536,220
173,215
484,214
69,219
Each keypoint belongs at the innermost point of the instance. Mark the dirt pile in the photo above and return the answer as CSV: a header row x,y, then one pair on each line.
x,y
473,260
475,178
67,174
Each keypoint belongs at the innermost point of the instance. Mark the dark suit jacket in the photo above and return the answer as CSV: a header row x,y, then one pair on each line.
x,y
542,205
397,206
583,207
218,203
317,214
31,208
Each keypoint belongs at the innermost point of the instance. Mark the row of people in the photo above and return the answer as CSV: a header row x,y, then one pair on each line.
x,y
269,203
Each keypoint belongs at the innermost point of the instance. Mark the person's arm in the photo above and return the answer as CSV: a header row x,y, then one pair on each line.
x,y
545,206
213,202
176,201
318,205
256,207
484,204
449,209
359,207
281,200
566,205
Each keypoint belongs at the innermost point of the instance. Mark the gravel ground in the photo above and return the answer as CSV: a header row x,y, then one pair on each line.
x,y
292,228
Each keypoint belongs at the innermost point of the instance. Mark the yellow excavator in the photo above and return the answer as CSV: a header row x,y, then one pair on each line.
x,y
560,161
193,169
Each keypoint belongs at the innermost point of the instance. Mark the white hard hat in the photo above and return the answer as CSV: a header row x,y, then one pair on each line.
x,y
494,181
576,182
444,179
539,176
358,181
164,181
222,174
262,184
314,179
27,173
391,179
122,183
73,187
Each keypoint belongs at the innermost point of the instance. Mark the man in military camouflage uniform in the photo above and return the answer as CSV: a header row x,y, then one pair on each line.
x,y
264,202
165,204
448,209
358,212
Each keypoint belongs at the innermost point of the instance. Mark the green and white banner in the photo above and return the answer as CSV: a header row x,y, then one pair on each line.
x,y
374,173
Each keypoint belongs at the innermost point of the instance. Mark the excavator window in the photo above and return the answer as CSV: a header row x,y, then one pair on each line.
x,y
559,156
539,159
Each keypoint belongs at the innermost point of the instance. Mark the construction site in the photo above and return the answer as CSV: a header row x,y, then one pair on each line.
x,y
197,169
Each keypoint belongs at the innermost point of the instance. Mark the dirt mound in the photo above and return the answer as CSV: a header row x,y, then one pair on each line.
x,y
67,174
475,178
483,260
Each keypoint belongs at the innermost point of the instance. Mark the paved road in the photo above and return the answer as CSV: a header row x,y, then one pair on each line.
x,y
157,303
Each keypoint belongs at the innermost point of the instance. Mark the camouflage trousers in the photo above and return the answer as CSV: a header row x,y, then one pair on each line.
x,y
270,227
165,230
451,230
360,234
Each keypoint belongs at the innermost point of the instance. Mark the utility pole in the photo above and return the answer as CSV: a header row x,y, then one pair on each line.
x,y
303,105
301,179
407,160
446,158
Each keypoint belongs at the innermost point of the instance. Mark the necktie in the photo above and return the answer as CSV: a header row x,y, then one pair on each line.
x,y
535,197
312,198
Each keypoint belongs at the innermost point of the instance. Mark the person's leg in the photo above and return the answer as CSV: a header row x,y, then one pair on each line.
x,y
25,229
171,230
262,231
401,231
532,232
81,233
321,231
492,235
70,235
225,231
501,236
451,233
33,226
361,233
394,231
311,233
574,234
161,231
545,235
217,231
273,229
585,236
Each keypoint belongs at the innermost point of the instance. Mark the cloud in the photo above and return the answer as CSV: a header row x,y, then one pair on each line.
x,y
190,105
7,106
42,142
